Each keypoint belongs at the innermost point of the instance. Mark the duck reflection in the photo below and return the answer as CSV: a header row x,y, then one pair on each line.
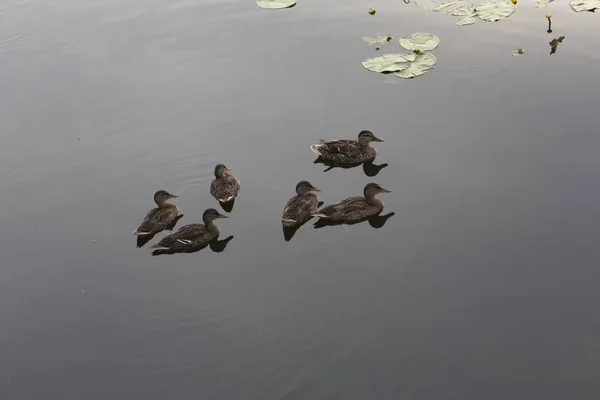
x,y
554,44
227,206
376,221
369,168
219,246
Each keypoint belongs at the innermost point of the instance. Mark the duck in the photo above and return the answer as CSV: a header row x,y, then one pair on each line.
x,y
348,151
224,187
298,210
191,237
354,209
160,218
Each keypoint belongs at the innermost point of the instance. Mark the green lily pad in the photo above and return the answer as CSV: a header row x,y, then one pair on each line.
x,y
492,10
378,39
403,65
585,5
458,8
420,40
276,4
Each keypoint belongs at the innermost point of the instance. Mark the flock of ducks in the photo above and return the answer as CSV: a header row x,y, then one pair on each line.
x,y
297,211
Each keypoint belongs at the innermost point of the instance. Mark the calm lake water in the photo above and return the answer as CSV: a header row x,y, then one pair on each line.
x,y
483,285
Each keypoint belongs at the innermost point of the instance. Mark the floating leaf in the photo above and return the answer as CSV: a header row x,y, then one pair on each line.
x,y
276,4
495,10
421,40
518,52
407,65
422,63
585,5
372,11
458,8
465,21
543,3
377,39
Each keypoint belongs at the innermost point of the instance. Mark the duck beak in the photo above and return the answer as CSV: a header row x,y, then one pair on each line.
x,y
376,139
223,216
314,189
385,191
227,169
173,196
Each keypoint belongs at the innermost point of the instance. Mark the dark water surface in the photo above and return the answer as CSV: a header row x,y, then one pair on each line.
x,y
484,285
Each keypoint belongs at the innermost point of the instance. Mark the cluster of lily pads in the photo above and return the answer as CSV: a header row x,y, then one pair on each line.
x,y
404,65
420,60
496,10
491,10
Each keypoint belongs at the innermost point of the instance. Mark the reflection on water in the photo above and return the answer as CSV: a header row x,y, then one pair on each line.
x,y
142,240
554,44
369,168
215,245
376,221
227,206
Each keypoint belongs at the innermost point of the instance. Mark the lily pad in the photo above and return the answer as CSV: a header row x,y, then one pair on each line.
x,y
466,20
275,4
378,39
492,10
585,5
458,8
543,3
403,65
420,40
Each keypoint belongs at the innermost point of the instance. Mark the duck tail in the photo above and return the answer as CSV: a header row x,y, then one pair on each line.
x,y
315,148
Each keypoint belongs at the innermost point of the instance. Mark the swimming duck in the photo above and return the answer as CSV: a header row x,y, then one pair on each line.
x,y
354,209
158,219
348,151
225,186
191,237
299,208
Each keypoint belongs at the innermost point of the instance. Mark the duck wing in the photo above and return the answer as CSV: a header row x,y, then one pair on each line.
x,y
157,220
186,237
338,210
299,209
337,146
225,189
